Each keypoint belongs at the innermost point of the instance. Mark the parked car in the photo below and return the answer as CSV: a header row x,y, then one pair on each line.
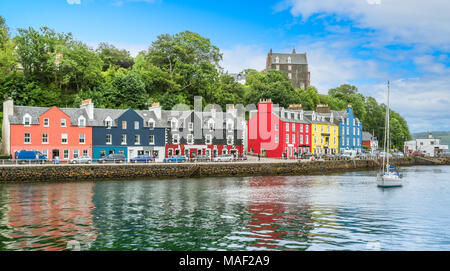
x,y
30,156
306,155
418,154
175,159
202,158
141,159
382,153
349,153
85,159
399,154
224,158
113,157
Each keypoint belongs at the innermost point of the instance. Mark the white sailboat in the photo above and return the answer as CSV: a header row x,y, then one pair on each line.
x,y
389,175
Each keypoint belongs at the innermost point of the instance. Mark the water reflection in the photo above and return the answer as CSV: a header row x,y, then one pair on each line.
x,y
46,216
334,212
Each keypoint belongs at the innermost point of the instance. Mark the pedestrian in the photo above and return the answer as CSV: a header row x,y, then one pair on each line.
x,y
259,157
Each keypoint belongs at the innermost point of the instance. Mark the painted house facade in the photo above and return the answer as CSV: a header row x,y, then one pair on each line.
x,y
325,131
128,132
275,132
192,133
55,132
350,130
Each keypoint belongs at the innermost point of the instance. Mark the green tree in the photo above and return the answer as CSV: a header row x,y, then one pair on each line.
x,y
113,57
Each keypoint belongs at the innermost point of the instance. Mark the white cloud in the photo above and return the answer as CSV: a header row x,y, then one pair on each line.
x,y
243,57
409,21
73,2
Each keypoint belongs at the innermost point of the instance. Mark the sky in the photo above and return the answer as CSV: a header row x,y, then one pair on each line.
x,y
359,42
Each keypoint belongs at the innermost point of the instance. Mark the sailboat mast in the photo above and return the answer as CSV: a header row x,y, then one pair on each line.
x,y
388,130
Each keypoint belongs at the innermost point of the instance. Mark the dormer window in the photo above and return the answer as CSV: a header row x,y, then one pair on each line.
x,y
289,60
63,123
173,124
191,126
27,120
230,125
211,124
277,59
151,124
81,121
108,122
46,122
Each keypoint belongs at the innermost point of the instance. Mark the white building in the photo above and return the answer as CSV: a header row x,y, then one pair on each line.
x,y
429,146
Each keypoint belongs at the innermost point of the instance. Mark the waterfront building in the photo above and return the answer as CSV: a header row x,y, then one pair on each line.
x,y
325,130
294,65
430,146
370,141
210,133
275,132
56,132
350,130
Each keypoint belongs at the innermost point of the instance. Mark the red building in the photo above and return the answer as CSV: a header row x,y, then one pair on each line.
x,y
277,133
53,131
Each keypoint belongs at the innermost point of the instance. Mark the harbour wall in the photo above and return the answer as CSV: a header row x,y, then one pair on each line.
x,y
24,173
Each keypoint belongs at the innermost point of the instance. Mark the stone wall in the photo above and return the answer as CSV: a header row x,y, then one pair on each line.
x,y
183,170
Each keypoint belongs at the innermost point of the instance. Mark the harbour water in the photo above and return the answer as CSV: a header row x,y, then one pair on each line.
x,y
344,211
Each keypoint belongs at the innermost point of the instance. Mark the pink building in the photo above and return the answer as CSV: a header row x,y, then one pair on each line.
x,y
55,132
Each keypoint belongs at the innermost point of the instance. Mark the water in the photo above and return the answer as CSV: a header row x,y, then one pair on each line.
x,y
345,211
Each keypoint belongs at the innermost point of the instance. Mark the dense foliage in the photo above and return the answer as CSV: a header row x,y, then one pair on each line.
x,y
45,68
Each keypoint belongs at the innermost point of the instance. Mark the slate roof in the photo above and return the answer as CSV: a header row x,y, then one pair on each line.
x,y
295,58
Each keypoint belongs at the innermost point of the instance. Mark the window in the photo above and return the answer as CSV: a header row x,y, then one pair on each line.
x,y
289,60
335,129
124,139
230,126
75,153
287,127
276,127
211,124
307,139
85,152
230,140
108,139
27,120
102,153
348,130
136,125
357,140
321,128
301,128
208,139
151,140
45,152
66,154
348,141
343,140
289,68
151,124
307,128
290,75
315,140
353,130
334,140
354,142
315,128
348,121
354,122
44,138
277,59
63,138
176,139
121,151
173,124
63,122
81,121
137,139
287,139
124,125
82,138
191,126
358,131
276,139
293,127
190,139
108,122
277,67
321,140
27,138
46,122
293,139
301,139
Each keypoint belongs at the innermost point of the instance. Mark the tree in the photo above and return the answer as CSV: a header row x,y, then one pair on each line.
x,y
113,57
8,61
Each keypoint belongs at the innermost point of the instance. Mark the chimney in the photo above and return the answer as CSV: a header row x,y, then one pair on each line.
x,y
213,111
232,110
297,107
322,108
430,135
265,106
293,51
198,106
8,110
89,107
156,107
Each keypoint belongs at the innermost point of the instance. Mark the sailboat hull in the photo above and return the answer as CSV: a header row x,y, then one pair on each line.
x,y
389,180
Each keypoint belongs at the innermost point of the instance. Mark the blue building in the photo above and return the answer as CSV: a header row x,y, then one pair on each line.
x,y
350,130
129,132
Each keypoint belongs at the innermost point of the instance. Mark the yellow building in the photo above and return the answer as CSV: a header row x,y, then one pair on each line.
x,y
325,131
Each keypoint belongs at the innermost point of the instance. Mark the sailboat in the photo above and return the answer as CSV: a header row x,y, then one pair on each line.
x,y
389,175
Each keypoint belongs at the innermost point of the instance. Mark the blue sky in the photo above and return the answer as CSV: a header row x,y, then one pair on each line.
x,y
361,42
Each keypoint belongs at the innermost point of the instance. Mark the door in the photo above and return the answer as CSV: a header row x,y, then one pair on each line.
x,y
55,153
